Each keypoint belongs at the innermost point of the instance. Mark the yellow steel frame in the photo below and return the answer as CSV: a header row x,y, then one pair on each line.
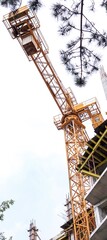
x,y
75,140
70,120
98,161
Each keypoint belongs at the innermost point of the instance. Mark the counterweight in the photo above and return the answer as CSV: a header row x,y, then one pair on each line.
x,y
24,25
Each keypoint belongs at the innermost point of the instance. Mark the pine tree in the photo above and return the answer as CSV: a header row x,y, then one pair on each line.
x,y
79,56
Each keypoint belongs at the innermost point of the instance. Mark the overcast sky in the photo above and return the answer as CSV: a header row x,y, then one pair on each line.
x,y
33,168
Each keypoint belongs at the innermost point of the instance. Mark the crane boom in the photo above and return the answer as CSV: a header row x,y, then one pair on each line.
x,y
24,25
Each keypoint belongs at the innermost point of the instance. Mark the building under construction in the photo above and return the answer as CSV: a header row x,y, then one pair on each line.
x,y
86,159
95,161
94,164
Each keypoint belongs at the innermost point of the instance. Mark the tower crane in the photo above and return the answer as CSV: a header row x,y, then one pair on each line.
x,y
24,25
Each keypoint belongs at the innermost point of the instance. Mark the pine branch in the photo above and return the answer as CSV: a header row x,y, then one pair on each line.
x,y
4,206
12,4
81,33
104,4
2,237
83,64
34,5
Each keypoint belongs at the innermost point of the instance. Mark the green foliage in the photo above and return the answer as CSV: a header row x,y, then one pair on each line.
x,y
4,206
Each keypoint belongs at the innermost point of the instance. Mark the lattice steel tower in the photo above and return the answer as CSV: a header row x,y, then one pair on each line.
x,y
24,25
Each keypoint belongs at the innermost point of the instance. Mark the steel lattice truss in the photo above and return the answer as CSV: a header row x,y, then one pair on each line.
x,y
24,26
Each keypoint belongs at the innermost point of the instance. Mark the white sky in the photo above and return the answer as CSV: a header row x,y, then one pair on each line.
x,y
33,168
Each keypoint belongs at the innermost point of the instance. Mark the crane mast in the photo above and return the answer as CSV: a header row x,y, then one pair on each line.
x,y
24,25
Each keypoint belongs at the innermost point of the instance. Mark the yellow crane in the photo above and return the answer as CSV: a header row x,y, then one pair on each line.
x,y
24,25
